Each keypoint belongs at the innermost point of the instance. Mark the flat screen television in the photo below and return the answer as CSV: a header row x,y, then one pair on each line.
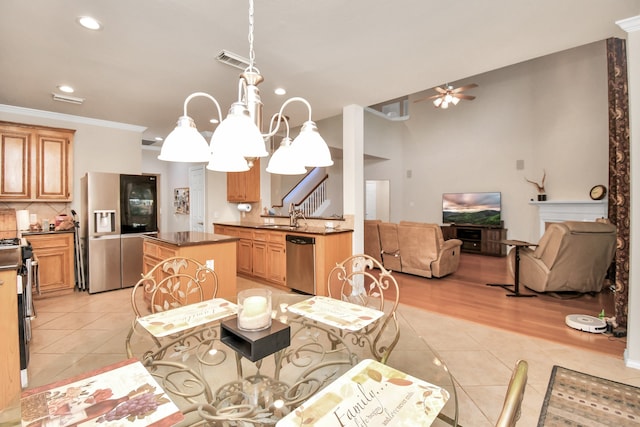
x,y
472,208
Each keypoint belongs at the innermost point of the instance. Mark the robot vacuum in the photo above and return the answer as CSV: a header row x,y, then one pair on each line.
x,y
585,323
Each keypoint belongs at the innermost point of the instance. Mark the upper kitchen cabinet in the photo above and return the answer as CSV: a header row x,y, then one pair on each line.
x,y
244,186
36,163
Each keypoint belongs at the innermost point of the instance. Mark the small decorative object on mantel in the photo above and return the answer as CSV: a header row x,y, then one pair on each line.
x,y
598,192
542,196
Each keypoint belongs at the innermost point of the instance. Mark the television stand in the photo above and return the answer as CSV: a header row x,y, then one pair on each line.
x,y
479,239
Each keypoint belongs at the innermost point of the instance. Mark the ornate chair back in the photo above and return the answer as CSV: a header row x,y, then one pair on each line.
x,y
173,282
361,279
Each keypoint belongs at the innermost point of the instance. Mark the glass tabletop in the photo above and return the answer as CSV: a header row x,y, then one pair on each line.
x,y
209,381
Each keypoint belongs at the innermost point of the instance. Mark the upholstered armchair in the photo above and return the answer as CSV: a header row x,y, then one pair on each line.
x,y
389,247
424,252
570,256
372,239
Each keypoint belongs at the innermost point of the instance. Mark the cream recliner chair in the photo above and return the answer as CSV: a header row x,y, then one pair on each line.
x,y
424,252
571,256
372,239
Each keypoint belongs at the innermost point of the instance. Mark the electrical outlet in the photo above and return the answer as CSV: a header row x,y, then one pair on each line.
x,y
210,264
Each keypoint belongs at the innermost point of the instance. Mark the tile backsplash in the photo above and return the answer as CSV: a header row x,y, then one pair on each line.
x,y
41,210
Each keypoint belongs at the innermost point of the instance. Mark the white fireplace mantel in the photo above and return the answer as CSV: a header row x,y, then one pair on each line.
x,y
570,210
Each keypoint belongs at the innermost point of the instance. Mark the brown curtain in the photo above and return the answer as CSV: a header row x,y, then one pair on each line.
x,y
619,169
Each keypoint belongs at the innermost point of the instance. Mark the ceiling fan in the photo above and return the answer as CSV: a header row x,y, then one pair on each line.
x,y
448,95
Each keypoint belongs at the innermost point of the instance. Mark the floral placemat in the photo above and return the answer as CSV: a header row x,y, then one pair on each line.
x,y
371,394
186,317
122,394
334,312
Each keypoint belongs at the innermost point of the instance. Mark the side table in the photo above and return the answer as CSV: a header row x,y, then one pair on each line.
x,y
515,292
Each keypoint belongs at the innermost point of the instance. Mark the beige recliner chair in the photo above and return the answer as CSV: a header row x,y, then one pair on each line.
x,y
424,252
571,256
390,249
372,239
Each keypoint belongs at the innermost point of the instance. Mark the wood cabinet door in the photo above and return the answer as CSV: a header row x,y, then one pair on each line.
x,y
491,241
260,259
276,264
9,351
53,167
55,261
245,255
244,186
15,160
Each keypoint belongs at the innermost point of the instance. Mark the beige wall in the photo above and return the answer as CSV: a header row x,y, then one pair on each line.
x,y
99,146
549,112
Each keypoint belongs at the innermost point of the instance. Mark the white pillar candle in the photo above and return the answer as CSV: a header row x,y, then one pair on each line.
x,y
254,306
254,309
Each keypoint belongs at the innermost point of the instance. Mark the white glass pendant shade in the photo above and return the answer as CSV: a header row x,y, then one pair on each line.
x,y
437,102
311,148
226,158
234,140
185,144
238,129
285,161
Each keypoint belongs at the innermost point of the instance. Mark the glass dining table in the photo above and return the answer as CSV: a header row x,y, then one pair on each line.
x,y
213,384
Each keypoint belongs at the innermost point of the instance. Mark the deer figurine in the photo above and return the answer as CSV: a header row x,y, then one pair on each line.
x,y
541,192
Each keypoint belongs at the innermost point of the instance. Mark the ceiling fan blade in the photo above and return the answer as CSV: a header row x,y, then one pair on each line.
x,y
439,89
463,96
465,87
427,98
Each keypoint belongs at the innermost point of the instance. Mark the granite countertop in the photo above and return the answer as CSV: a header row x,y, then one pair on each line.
x,y
302,229
31,233
191,238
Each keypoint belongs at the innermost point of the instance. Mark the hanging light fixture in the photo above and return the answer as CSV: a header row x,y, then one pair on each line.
x,y
447,95
238,140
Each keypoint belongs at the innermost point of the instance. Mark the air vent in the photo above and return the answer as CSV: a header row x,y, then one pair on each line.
x,y
67,98
233,59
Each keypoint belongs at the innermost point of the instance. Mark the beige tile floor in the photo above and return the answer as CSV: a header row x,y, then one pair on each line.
x,y
81,332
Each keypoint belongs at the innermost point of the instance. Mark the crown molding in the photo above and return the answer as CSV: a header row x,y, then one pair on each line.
x,y
630,25
69,118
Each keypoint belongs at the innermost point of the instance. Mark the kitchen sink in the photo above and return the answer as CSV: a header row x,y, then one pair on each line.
x,y
278,226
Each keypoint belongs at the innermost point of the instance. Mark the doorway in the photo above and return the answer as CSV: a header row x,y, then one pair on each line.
x,y
197,213
376,198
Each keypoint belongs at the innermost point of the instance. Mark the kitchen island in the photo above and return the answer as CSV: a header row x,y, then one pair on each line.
x,y
205,248
262,250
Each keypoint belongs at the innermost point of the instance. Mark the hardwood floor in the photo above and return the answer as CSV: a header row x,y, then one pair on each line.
x,y
465,295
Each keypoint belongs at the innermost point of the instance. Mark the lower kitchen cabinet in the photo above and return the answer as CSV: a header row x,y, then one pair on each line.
x,y
55,255
10,386
261,253
222,253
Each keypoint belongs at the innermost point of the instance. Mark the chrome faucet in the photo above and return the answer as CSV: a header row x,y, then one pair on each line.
x,y
294,215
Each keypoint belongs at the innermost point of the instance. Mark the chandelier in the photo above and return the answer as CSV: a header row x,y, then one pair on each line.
x,y
238,139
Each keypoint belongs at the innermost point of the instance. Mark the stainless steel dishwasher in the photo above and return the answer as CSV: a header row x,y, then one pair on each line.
x,y
301,264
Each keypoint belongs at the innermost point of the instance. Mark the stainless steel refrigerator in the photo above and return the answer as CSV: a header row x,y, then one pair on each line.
x,y
117,211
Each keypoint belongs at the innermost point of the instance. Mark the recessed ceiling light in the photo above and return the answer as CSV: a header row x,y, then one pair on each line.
x,y
214,121
158,138
66,88
89,23
280,91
